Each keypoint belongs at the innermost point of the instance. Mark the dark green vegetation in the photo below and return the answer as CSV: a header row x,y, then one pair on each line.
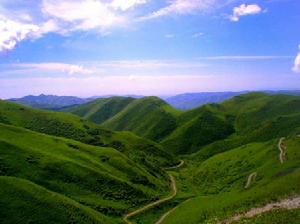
x,y
103,179
218,184
209,129
72,127
96,176
101,109
88,174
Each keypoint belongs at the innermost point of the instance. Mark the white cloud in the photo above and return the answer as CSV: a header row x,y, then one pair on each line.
x,y
83,14
197,35
182,7
126,4
70,69
296,67
169,36
12,32
245,57
244,10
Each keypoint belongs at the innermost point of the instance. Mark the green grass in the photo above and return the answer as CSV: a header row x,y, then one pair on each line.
x,y
102,178
218,183
95,175
100,110
22,201
204,128
70,126
149,117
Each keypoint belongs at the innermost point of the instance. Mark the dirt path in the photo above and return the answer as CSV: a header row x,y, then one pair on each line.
x,y
164,216
282,149
175,167
292,203
156,203
251,177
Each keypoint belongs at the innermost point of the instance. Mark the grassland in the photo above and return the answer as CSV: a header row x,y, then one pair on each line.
x,y
89,174
101,178
218,184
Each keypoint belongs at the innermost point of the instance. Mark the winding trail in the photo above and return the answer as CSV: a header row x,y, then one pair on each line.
x,y
282,149
156,203
165,215
181,163
251,177
292,203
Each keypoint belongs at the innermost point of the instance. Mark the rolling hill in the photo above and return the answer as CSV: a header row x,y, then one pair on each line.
x,y
73,127
219,188
233,160
92,179
100,110
210,128
149,117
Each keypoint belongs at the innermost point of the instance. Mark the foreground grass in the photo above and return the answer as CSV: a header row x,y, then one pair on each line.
x,y
103,179
219,182
25,202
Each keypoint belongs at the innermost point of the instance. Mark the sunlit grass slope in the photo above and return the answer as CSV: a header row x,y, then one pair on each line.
x,y
100,110
22,201
149,117
103,179
73,127
218,184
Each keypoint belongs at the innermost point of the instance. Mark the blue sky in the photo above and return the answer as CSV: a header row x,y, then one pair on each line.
x,y
148,47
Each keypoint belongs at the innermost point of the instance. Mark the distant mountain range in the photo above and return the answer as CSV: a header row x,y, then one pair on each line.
x,y
184,101
192,100
49,101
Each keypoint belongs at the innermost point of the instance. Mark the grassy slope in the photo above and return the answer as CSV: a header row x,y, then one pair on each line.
x,y
149,117
257,118
73,127
209,129
20,197
101,178
197,128
100,110
218,183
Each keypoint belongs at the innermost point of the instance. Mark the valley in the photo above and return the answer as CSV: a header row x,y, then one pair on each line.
x,y
126,160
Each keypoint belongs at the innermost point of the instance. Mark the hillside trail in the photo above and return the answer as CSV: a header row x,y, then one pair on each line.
x,y
165,215
156,203
292,203
251,177
282,149
181,163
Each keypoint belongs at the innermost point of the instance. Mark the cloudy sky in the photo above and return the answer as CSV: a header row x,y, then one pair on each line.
x,y
149,47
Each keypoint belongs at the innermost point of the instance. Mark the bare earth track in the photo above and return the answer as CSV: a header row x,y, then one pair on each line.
x,y
156,203
251,177
282,149
293,203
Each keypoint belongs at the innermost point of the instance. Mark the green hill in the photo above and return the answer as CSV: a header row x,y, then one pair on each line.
x,y
198,128
70,126
216,188
208,129
100,110
148,117
102,179
257,118
215,128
